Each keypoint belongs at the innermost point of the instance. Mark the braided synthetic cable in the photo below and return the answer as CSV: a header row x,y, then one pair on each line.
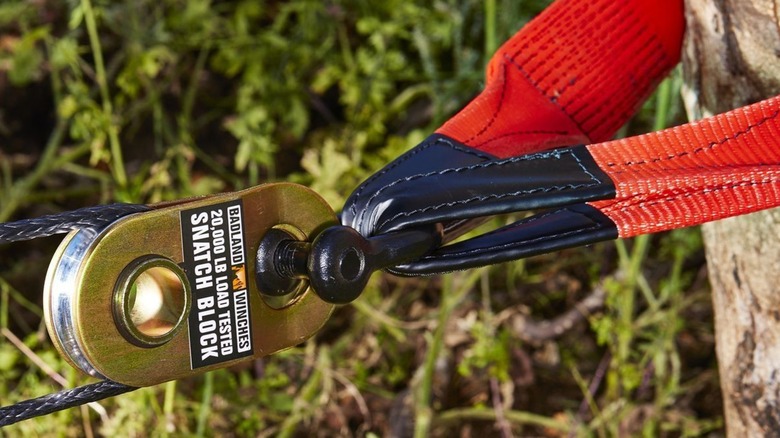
x,y
26,229
89,217
58,401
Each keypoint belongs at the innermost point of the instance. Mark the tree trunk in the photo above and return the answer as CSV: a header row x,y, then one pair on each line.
x,y
731,58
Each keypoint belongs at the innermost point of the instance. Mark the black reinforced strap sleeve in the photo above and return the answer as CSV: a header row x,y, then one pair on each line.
x,y
441,181
557,229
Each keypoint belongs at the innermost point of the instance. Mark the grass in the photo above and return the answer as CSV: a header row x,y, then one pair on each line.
x,y
146,101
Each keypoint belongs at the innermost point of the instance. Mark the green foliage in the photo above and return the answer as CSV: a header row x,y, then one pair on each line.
x,y
154,100
490,351
26,58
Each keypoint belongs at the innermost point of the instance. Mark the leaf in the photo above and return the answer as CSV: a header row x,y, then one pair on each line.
x,y
76,17
68,106
65,53
142,67
27,58
12,12
8,357
206,185
327,167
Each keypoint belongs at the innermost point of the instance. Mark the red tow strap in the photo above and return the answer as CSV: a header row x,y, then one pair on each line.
x,y
578,71
573,75
716,168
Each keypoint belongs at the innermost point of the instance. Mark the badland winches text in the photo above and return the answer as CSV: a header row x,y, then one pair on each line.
x,y
215,263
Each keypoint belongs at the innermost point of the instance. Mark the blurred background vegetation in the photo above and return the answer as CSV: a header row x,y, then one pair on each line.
x,y
151,100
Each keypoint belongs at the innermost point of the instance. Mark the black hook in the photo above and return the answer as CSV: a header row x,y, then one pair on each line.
x,y
338,263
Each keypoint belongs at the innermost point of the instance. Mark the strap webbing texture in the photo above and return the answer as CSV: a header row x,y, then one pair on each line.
x,y
719,167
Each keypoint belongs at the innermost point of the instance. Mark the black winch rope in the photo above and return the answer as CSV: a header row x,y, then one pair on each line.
x,y
58,401
27,229
61,223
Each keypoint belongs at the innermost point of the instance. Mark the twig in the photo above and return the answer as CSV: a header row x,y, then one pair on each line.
x,y
40,363
48,370
85,423
643,392
401,417
102,80
381,317
593,387
537,332
20,299
516,417
527,378
355,393
498,406
502,425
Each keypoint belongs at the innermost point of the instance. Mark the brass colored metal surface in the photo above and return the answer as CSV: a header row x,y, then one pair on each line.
x,y
151,301
100,338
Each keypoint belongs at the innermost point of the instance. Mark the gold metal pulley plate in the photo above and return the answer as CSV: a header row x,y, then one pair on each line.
x,y
172,292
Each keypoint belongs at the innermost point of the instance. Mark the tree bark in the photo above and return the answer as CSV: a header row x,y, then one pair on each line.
x,y
731,58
